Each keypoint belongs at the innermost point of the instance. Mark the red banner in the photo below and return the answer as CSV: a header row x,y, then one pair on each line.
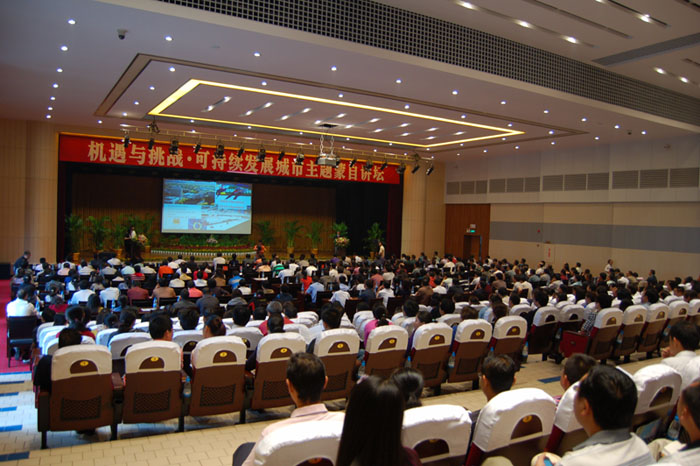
x,y
110,151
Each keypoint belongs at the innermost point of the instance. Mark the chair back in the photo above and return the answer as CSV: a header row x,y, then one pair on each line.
x,y
519,310
251,336
632,326
508,336
301,329
437,432
43,335
430,351
471,344
301,444
338,349
544,327
21,329
567,431
605,329
361,316
658,388
187,339
120,344
274,350
385,350
103,336
451,320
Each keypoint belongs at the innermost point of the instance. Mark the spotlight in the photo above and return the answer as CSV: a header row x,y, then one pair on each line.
x,y
299,160
240,151
174,144
368,166
281,156
151,143
353,162
415,169
198,147
318,159
429,170
261,154
153,127
127,140
219,153
401,168
384,165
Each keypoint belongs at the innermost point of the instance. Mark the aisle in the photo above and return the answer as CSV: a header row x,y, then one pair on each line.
x,y
17,366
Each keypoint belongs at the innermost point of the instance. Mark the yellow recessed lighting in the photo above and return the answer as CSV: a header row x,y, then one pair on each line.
x,y
645,18
334,68
151,88
684,79
573,40
172,69
71,21
524,24
455,92
48,116
169,38
545,111
584,119
49,108
52,98
503,102
256,54
64,48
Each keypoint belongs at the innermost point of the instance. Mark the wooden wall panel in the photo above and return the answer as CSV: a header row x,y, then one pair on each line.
x,y
458,217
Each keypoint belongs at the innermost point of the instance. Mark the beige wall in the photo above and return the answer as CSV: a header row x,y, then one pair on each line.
x,y
423,222
667,264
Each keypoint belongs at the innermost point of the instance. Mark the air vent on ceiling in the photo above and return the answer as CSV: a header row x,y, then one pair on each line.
x,y
684,177
453,187
468,187
628,179
598,181
575,182
653,178
497,185
532,184
515,185
552,182
481,186
386,27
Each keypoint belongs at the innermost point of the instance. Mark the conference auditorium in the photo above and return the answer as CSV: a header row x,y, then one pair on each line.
x,y
350,232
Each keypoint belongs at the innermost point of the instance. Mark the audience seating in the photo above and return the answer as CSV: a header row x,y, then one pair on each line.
x,y
571,317
393,304
20,334
509,336
451,320
385,350
439,433
301,329
120,344
187,339
338,349
251,336
519,310
677,311
567,432
270,388
599,344
631,329
351,306
82,392
540,338
102,337
218,382
512,425
43,335
310,315
471,344
302,444
690,372
153,383
360,317
430,351
654,324
658,390
694,311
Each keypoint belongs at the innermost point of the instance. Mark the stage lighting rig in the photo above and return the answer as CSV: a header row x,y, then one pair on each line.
x,y
240,151
401,168
384,165
430,169
261,154
299,159
151,143
368,166
174,146
219,152
127,140
280,157
353,162
198,147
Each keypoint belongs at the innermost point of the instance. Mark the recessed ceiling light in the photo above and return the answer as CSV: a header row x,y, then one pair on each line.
x,y
136,102
284,117
300,132
347,139
485,151
645,18
684,79
428,149
458,133
584,119
59,70
510,125
210,108
71,21
64,48
226,98
458,154
151,88
398,81
334,68
249,113
551,131
169,38
264,83
306,110
124,114
463,116
267,105
617,126
191,121
553,142
503,102
503,139
467,5
374,120
340,96
644,132
348,126
403,125
405,134
375,150
55,85
49,108
455,92
406,106
99,122
192,131
430,138
172,69
524,24
545,111
318,122
431,129
256,54
48,116
660,70
341,115
378,130
573,40
517,147
597,138
52,98
461,145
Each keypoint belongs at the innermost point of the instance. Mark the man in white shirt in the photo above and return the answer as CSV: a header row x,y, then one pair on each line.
x,y
219,261
339,296
83,294
683,340
689,416
111,293
306,379
146,269
108,270
285,274
127,270
114,262
21,307
385,292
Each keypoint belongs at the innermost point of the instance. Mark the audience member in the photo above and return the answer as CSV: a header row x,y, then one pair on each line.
x,y
42,372
410,383
683,340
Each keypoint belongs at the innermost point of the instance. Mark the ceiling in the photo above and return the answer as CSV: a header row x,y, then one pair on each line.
x,y
241,82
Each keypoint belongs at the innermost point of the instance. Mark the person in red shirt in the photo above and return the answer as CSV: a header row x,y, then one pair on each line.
x,y
305,281
275,307
136,292
164,269
194,292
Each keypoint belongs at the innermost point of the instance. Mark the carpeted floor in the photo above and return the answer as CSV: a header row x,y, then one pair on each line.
x,y
15,366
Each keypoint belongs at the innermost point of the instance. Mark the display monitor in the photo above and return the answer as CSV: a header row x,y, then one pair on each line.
x,y
191,206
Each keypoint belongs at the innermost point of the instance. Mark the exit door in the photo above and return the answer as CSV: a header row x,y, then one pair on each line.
x,y
472,246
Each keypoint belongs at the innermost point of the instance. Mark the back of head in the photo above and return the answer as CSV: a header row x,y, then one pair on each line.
x,y
274,307
469,313
275,324
189,318
372,426
331,317
127,317
612,396
75,316
686,333
216,326
578,365
69,337
447,306
159,326
410,382
424,317
241,315
499,370
690,398
290,310
307,375
604,300
410,308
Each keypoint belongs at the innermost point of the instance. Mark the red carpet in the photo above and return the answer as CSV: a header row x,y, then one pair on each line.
x,y
15,366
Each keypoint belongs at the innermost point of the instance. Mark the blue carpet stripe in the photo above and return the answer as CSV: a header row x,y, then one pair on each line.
x,y
22,455
15,373
10,428
9,408
9,394
549,379
11,382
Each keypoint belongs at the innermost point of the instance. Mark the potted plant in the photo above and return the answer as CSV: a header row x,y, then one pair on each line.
x,y
374,236
314,234
291,229
99,230
116,234
75,226
267,233
340,238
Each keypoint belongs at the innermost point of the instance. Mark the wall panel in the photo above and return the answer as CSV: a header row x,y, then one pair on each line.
x,y
458,217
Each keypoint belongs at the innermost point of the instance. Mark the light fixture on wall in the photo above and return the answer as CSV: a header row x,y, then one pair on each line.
x,y
281,155
240,151
261,154
127,140
430,169
401,168
368,166
299,159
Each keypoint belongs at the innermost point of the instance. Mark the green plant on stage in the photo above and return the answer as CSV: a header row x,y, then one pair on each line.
x,y
117,232
339,229
75,227
374,235
291,229
99,230
314,234
267,232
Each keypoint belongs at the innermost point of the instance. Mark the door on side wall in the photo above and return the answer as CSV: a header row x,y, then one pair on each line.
x,y
472,246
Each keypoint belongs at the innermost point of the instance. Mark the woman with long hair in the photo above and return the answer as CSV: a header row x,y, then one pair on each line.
x,y
372,427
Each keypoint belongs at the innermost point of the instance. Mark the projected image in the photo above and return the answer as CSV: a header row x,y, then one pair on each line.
x,y
206,207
